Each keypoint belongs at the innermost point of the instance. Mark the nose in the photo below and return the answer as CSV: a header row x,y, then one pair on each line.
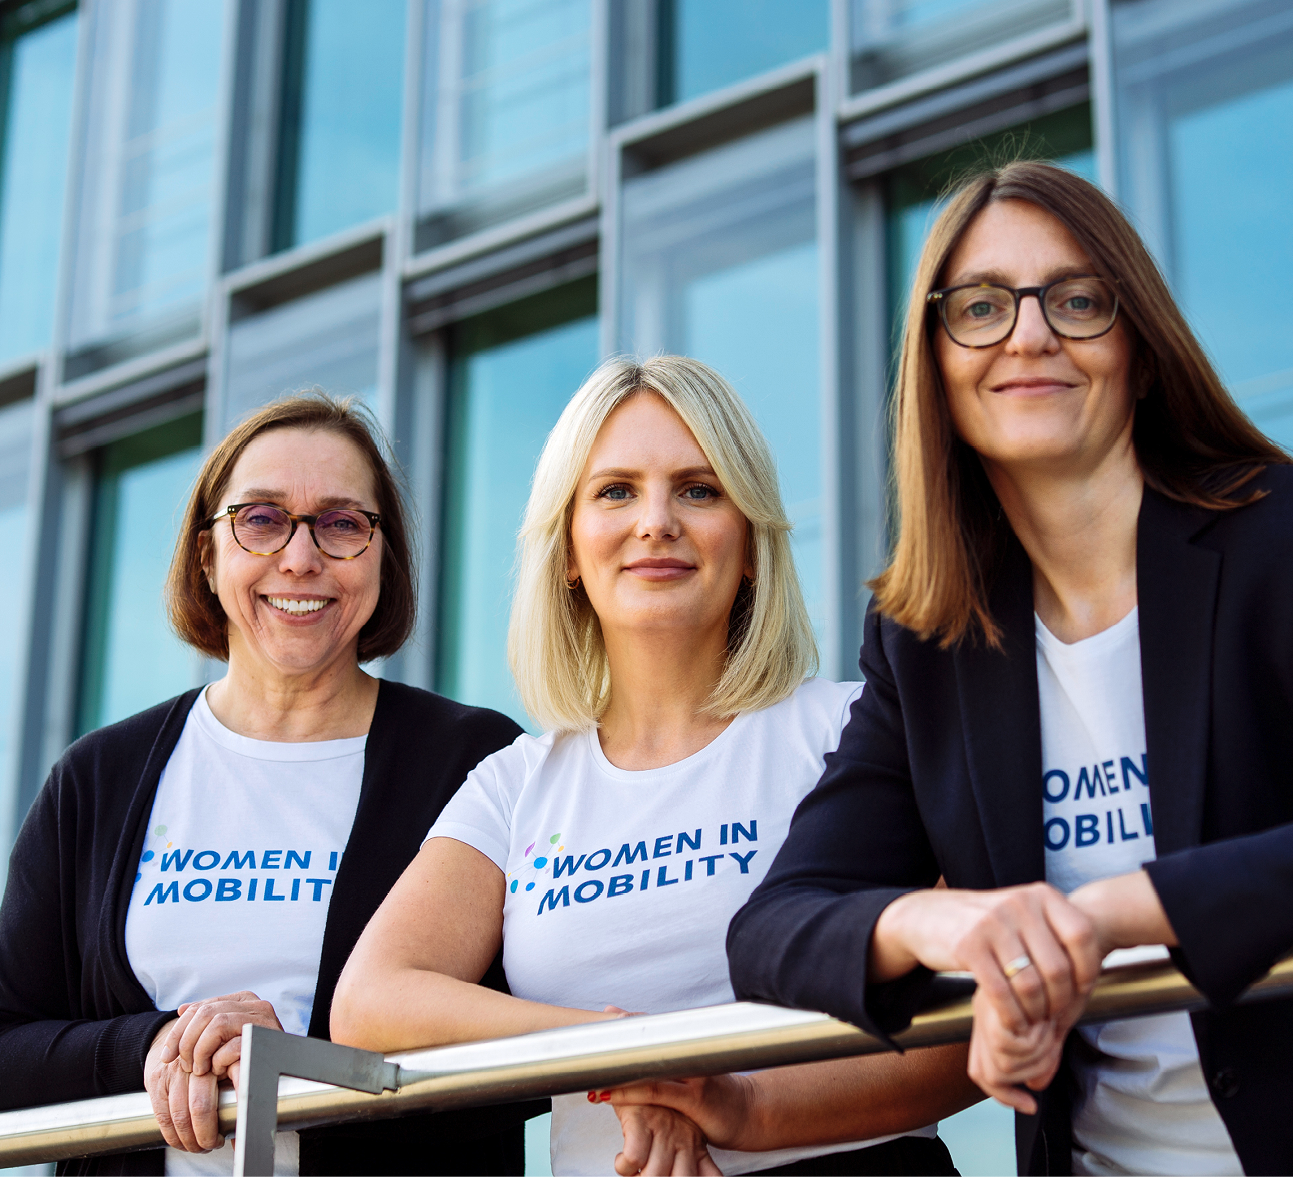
x,y
1032,334
300,557
658,518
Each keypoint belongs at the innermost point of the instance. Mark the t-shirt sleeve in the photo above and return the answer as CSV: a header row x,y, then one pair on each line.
x,y
480,812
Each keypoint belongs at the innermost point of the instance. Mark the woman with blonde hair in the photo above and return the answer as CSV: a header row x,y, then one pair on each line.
x,y
1079,704
659,635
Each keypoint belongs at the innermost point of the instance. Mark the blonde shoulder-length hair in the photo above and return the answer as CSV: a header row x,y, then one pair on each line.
x,y
554,643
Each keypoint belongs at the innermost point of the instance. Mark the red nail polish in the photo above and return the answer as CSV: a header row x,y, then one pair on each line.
x,y
592,1097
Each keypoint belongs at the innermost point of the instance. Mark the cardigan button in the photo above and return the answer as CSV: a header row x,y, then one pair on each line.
x,y
1225,1083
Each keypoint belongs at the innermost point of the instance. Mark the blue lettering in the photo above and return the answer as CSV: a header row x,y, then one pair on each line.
x,y
1064,790
296,889
1129,769
251,890
686,870
332,860
646,879
303,863
567,865
1088,830
709,860
228,890
1147,820
751,835
1108,775
684,840
265,860
1061,837
663,847
662,879
188,891
239,862
549,901
590,865
624,857
595,884
1108,824
318,885
619,885
161,894
215,858
744,860
270,897
1122,829
174,859
722,835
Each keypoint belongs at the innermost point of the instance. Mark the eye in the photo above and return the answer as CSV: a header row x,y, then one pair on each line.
x,y
617,492
980,310
699,492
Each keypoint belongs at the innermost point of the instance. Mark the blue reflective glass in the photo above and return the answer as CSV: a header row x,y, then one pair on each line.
x,y
511,373
721,263
143,235
328,339
345,90
15,519
506,111
713,43
131,657
892,39
38,121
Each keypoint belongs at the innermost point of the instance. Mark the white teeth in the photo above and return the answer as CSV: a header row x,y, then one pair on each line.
x,y
291,606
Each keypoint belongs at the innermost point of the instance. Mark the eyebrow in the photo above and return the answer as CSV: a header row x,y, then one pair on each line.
x,y
622,472
256,494
999,278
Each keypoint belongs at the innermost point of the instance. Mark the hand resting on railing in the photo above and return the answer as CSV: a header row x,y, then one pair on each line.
x,y
190,1056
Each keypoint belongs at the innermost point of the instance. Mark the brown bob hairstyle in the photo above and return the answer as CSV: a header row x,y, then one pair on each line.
x,y
195,611
1193,443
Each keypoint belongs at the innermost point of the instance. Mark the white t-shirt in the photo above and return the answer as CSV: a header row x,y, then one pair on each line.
x,y
1144,1106
234,882
620,885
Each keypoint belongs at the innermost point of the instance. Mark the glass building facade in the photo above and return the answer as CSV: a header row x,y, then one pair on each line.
x,y
453,208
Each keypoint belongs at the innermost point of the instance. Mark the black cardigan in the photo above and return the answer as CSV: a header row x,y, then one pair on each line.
x,y
75,1022
939,772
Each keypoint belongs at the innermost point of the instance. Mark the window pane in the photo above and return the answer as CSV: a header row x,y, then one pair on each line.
x,y
15,467
505,111
143,235
38,118
131,658
1206,107
892,39
912,191
327,339
720,263
707,44
511,373
343,93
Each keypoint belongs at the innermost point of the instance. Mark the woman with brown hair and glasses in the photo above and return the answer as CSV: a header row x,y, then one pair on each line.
x,y
1079,704
211,861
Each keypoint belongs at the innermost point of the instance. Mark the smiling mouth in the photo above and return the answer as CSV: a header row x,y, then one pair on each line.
x,y
295,607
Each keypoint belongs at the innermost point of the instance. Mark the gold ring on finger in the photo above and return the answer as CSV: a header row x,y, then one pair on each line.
x,y
1017,965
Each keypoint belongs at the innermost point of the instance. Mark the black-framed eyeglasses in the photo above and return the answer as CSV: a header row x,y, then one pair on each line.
x,y
263,529
983,314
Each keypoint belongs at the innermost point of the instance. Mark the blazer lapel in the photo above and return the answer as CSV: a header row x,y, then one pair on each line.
x,y
1002,728
1177,589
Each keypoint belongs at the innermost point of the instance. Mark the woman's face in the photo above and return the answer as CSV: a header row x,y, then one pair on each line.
x,y
1036,399
296,611
654,538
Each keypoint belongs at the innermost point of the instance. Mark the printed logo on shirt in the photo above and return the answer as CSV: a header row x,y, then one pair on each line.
x,y
178,874
590,877
1100,804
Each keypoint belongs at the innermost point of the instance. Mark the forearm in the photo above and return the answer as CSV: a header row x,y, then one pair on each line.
x,y
1126,911
856,1099
407,1008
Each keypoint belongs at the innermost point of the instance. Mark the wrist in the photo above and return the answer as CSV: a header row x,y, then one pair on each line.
x,y
1125,910
889,956
751,1121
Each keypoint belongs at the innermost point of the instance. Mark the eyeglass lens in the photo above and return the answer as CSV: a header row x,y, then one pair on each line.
x,y
264,530
979,316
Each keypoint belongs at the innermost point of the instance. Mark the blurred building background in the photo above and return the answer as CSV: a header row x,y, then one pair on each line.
x,y
453,208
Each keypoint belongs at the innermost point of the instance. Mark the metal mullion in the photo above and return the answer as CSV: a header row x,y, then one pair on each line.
x,y
1100,57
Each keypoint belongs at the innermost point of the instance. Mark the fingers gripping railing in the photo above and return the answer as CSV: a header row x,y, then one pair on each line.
x,y
320,1083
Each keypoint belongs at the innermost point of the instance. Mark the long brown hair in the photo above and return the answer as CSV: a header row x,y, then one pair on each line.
x,y
1192,441
195,611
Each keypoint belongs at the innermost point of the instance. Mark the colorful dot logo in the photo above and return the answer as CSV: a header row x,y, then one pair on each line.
x,y
538,866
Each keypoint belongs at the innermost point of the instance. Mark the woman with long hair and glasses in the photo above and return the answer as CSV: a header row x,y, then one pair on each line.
x,y
1079,704
659,634
210,861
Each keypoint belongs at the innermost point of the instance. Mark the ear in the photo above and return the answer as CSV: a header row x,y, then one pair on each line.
x,y
206,558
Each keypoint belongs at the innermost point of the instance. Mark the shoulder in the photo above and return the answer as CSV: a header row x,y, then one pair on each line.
x,y
409,710
817,707
133,738
1261,532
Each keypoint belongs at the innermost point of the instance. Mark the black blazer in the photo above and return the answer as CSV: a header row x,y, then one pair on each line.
x,y
75,1022
939,772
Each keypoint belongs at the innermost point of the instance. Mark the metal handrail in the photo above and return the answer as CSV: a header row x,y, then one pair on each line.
x,y
738,1037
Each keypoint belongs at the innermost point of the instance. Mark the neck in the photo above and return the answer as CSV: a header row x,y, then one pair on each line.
x,y
660,683
334,702
1079,530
